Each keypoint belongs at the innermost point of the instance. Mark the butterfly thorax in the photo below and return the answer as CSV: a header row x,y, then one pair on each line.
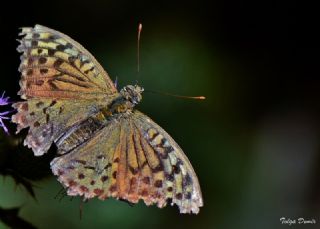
x,y
128,98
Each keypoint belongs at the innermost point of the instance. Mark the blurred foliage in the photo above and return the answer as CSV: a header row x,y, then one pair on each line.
x,y
18,163
10,218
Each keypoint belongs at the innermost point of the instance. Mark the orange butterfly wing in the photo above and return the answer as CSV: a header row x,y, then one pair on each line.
x,y
132,158
54,65
62,83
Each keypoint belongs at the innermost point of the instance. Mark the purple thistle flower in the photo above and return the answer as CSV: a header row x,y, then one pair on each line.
x,y
3,102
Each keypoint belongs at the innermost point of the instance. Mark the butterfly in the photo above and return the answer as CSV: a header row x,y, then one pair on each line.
x,y
105,147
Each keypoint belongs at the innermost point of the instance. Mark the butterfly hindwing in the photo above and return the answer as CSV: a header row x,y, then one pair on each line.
x,y
47,119
87,169
132,159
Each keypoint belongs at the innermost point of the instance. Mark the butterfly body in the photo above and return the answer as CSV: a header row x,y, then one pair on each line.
x,y
128,98
106,148
120,107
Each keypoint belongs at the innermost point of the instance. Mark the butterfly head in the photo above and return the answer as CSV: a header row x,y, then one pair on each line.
x,y
132,93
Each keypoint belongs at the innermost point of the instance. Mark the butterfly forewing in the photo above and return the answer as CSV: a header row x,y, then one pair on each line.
x,y
180,181
131,159
54,65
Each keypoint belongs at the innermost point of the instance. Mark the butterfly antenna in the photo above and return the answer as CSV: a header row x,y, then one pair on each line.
x,y
61,194
174,95
138,48
81,207
152,91
128,202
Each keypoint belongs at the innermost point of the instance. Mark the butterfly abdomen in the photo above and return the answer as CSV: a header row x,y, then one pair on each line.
x,y
80,133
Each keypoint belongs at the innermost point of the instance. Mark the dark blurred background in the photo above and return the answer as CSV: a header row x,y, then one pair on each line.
x,y
254,143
